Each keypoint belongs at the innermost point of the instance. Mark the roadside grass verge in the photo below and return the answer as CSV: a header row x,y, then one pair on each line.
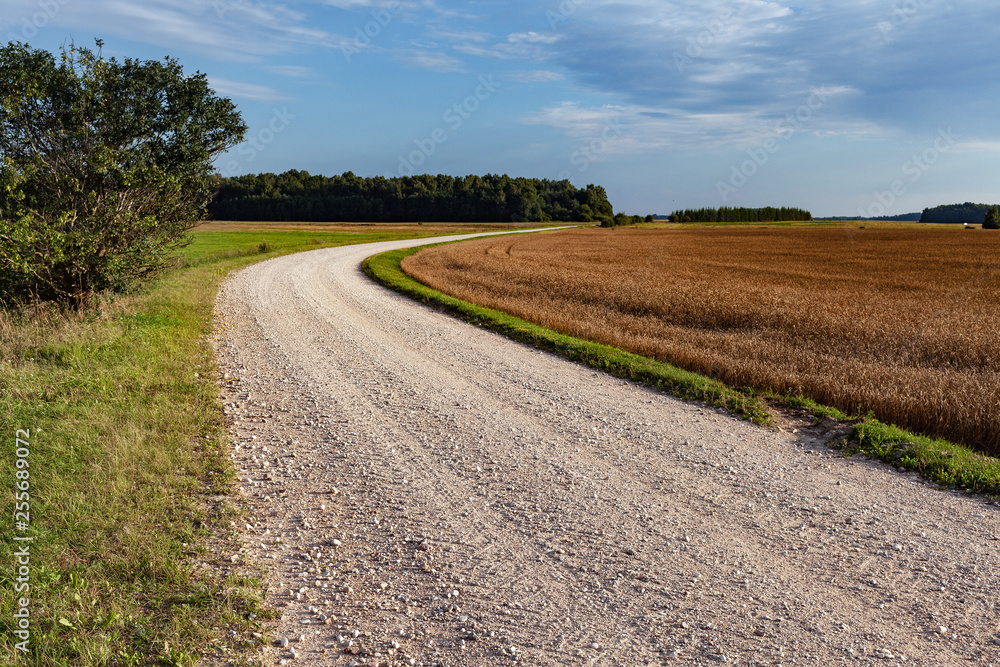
x,y
938,460
949,464
385,269
127,451
130,477
946,463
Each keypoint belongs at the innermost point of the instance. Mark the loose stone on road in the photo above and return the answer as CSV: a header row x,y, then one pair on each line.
x,y
423,492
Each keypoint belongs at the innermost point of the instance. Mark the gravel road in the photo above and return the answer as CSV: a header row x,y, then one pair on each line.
x,y
423,492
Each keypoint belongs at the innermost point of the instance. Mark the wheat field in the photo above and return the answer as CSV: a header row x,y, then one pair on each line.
x,y
902,323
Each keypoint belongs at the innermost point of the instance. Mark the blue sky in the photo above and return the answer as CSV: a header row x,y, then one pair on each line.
x,y
839,106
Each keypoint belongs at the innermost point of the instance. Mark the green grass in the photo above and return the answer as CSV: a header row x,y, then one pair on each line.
x,y
943,462
130,475
385,269
129,472
938,460
213,246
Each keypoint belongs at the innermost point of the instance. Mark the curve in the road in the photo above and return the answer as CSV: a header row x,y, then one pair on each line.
x,y
428,492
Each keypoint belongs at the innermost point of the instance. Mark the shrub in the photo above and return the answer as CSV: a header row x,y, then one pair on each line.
x,y
103,168
992,219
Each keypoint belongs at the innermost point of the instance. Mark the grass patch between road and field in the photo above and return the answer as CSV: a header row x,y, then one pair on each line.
x,y
938,460
897,323
385,269
943,462
131,481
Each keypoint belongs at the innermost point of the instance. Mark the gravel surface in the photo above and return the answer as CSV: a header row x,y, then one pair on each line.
x,y
423,492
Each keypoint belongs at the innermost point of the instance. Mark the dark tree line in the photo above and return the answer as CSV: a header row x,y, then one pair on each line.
x,y
970,213
731,214
902,217
620,220
301,197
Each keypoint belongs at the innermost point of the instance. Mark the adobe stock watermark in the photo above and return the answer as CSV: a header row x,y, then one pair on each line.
x,y
565,10
592,149
22,543
454,116
223,7
711,31
903,12
30,25
364,36
258,142
793,121
913,169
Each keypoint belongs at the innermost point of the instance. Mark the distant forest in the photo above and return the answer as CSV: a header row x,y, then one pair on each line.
x,y
903,217
974,214
728,214
301,197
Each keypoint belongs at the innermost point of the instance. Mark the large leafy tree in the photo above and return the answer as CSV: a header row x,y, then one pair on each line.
x,y
104,166
992,219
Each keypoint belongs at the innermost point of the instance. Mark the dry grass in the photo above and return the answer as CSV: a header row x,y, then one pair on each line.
x,y
131,478
903,323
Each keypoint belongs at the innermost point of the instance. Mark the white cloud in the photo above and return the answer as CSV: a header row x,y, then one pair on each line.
x,y
397,5
534,76
235,30
459,36
518,45
532,38
352,4
246,91
292,71
438,62
641,128
991,147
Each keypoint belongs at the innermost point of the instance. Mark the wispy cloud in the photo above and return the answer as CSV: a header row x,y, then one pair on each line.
x,y
359,4
988,146
452,36
246,91
703,57
535,76
293,71
439,62
647,128
520,45
233,30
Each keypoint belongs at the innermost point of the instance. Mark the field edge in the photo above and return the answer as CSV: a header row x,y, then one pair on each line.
x,y
385,269
942,462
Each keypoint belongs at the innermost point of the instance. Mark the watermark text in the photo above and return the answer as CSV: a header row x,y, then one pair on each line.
x,y
592,149
22,543
256,143
454,116
30,25
793,122
364,36
705,39
913,169
903,11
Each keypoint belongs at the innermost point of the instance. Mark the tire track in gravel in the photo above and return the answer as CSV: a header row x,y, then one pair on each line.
x,y
432,493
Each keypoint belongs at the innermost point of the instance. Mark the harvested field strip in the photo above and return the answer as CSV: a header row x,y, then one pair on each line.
x,y
900,323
